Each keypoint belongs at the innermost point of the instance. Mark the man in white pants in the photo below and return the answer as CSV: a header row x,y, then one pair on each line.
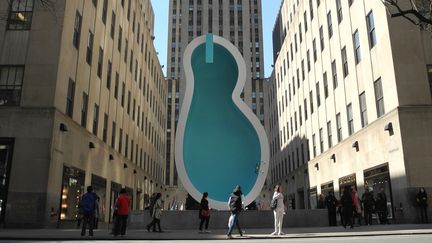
x,y
279,210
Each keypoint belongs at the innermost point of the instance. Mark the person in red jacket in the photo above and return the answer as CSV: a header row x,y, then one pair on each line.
x,y
122,205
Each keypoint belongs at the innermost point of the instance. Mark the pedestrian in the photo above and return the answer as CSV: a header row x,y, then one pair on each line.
x,y
122,204
368,205
331,204
235,206
357,207
347,207
422,203
156,214
204,213
321,202
278,210
88,208
381,206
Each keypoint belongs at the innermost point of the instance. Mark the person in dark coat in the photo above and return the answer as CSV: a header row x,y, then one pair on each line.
x,y
236,206
204,213
88,205
422,199
381,206
368,205
331,204
347,207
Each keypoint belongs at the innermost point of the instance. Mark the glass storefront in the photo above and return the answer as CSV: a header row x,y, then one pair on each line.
x,y
99,187
6,150
326,188
72,190
377,178
345,181
115,191
129,192
313,198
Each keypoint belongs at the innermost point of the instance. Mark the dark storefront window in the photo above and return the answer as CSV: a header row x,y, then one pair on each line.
x,y
99,187
313,198
115,191
377,178
326,188
347,181
72,190
6,150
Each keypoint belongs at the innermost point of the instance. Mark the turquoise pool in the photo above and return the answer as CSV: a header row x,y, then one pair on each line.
x,y
221,148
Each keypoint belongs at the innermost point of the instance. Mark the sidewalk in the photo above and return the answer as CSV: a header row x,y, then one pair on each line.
x,y
103,234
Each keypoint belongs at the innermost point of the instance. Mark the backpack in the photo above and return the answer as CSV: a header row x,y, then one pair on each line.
x,y
88,203
274,203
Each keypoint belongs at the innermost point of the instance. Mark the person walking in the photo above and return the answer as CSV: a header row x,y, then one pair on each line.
x,y
204,213
278,210
321,202
357,207
331,204
347,207
88,208
156,214
368,205
236,206
381,206
122,205
421,199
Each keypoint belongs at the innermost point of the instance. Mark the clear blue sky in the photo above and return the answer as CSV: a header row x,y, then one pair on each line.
x,y
270,10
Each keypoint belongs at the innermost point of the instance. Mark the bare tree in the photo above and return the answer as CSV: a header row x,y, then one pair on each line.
x,y
418,12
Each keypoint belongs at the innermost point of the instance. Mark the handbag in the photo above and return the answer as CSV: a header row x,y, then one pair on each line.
x,y
205,213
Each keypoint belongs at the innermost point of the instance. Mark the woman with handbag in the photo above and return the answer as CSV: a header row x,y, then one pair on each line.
x,y
278,208
204,213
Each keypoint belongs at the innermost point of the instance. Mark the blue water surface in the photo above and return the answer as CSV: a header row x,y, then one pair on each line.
x,y
221,148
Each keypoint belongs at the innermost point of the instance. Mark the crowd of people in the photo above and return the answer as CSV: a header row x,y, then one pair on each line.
x,y
351,208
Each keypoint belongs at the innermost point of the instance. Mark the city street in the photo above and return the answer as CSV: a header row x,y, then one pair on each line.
x,y
386,233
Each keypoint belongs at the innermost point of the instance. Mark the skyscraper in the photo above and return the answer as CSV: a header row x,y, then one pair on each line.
x,y
350,104
236,20
82,102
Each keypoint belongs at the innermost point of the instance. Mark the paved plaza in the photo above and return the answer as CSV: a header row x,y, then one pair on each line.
x,y
379,233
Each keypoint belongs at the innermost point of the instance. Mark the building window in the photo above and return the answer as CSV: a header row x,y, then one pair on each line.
x,y
311,102
339,11
318,94
95,119
330,25
77,30
314,50
120,141
89,48
334,74
109,71
329,133
113,135
20,14
314,145
379,98
321,134
123,94
70,98
357,51
321,31
119,42
344,62
363,110
350,119
371,29
11,79
326,92
339,127
104,11
105,128
100,62
113,23
84,108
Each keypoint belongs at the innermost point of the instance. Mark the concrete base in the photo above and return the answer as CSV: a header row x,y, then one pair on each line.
x,y
182,220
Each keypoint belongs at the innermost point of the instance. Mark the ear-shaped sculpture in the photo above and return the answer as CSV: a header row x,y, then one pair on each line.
x,y
220,143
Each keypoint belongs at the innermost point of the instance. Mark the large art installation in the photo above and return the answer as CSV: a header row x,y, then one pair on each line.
x,y
220,143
